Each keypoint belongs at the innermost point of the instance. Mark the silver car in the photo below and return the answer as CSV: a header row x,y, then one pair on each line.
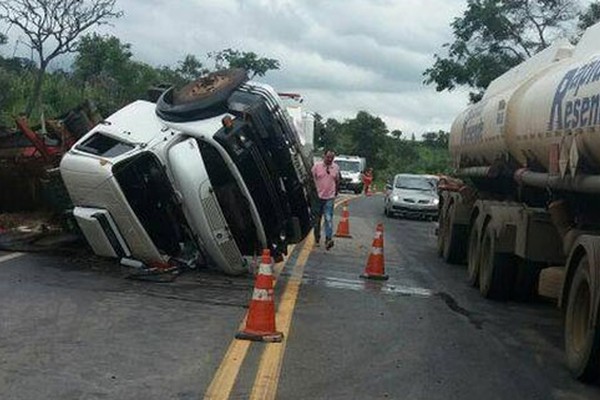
x,y
410,195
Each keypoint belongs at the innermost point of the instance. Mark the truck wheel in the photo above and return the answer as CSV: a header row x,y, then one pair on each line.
x,y
473,257
455,236
496,270
203,98
582,335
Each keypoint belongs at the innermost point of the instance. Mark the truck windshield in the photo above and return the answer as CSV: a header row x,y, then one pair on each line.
x,y
414,183
348,166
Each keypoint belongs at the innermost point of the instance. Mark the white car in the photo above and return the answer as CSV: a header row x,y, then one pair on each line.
x,y
412,195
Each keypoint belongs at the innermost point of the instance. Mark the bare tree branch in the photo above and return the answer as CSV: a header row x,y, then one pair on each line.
x,y
53,27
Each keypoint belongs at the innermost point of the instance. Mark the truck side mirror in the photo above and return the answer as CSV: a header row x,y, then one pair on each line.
x,y
388,186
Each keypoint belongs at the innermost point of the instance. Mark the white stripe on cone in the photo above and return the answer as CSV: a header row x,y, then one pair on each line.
x,y
264,269
262,294
376,251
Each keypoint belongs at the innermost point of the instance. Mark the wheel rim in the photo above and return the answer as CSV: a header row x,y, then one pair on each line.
x,y
580,311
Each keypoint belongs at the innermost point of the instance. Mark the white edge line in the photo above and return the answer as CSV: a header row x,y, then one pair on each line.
x,y
11,256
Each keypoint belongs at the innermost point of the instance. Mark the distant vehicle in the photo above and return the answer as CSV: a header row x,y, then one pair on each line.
x,y
351,170
410,195
214,169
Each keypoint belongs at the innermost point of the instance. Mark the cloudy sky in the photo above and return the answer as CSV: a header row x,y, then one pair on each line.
x,y
341,55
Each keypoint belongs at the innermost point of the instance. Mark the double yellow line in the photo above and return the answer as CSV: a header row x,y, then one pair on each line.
x,y
267,377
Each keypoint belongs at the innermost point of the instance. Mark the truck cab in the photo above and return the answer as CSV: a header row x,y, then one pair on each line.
x,y
154,184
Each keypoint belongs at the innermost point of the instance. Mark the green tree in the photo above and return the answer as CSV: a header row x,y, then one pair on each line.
x,y
53,28
190,68
492,36
367,134
436,139
250,61
110,75
101,57
589,16
333,135
104,65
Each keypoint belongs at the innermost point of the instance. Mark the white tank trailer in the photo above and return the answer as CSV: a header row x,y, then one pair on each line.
x,y
528,159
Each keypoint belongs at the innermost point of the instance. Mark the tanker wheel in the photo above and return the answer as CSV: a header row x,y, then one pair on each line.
x,y
454,239
496,270
582,338
473,257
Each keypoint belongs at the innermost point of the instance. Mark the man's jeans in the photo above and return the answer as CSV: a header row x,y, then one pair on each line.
x,y
325,207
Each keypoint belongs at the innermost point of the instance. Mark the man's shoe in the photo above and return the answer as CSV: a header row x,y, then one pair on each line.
x,y
328,244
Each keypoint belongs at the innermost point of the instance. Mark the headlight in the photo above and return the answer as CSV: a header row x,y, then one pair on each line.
x,y
436,201
396,198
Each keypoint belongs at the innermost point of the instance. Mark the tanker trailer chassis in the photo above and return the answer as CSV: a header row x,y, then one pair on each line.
x,y
506,244
529,152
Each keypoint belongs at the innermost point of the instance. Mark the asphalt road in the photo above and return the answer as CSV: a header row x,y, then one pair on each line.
x,y
71,327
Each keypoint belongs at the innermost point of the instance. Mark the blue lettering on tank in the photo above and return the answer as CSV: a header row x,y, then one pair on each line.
x,y
556,112
578,111
585,108
568,112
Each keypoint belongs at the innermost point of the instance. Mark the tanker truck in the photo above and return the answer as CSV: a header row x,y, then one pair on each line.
x,y
526,191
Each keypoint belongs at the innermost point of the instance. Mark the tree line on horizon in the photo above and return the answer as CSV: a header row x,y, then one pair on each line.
x,y
387,152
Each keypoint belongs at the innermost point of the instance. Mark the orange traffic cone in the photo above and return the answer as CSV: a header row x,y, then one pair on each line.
x,y
343,228
260,322
375,268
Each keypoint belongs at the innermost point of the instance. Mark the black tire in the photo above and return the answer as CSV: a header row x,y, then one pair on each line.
x,y
454,251
473,257
496,270
386,212
582,336
204,98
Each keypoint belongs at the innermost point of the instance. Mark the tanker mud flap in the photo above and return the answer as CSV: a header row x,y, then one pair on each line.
x,y
454,230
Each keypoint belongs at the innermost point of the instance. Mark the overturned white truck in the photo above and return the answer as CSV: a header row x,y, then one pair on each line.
x,y
211,173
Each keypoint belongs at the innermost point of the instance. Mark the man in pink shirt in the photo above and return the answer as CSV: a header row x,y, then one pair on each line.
x,y
326,174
